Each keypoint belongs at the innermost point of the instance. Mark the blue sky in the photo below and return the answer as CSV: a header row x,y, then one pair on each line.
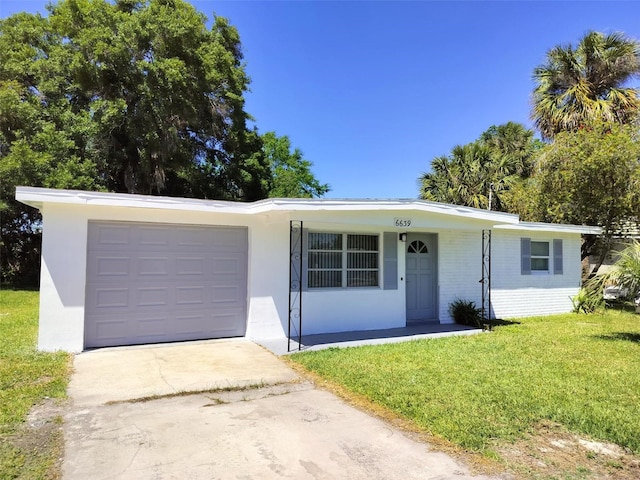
x,y
372,91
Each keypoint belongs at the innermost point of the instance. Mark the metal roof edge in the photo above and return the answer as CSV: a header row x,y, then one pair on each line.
x,y
322,204
37,196
551,227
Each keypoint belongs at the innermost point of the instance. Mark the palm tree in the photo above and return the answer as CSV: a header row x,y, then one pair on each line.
x,y
515,142
577,86
502,156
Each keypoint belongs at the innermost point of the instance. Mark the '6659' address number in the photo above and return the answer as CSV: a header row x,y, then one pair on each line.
x,y
402,222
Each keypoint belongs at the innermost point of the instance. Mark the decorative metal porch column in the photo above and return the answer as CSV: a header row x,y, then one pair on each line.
x,y
295,282
486,275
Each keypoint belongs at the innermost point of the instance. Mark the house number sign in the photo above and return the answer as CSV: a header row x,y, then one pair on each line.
x,y
402,222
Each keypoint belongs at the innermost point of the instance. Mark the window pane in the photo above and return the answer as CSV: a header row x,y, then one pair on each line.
x,y
325,259
326,267
325,279
540,264
539,249
417,246
362,260
362,242
362,279
325,241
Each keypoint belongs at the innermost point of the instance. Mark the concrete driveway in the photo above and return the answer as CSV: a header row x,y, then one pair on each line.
x,y
255,419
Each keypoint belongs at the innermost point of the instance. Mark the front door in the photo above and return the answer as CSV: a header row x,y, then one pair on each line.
x,y
421,273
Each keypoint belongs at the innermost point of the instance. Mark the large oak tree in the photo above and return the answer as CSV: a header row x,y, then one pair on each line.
x,y
137,96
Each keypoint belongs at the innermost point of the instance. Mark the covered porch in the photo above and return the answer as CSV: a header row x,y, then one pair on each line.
x,y
367,337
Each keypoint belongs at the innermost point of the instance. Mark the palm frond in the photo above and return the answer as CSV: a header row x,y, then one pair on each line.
x,y
577,86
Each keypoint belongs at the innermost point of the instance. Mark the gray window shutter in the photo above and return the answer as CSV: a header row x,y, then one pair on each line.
x,y
525,254
305,260
557,256
390,254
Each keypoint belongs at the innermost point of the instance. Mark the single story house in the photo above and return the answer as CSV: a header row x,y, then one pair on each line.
x,y
120,269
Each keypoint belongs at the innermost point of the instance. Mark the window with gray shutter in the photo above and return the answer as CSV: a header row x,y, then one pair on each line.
x,y
525,254
390,255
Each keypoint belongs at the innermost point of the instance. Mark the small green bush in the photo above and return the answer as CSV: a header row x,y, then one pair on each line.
x,y
465,312
588,300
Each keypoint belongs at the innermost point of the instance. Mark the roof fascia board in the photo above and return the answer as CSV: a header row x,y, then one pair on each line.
x,y
419,206
36,196
551,227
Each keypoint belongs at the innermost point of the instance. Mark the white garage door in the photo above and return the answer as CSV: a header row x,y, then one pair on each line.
x,y
149,283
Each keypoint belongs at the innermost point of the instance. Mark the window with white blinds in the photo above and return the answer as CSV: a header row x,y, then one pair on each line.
x,y
338,260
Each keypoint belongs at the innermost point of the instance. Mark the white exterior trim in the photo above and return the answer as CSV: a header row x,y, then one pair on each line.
x,y
551,227
36,197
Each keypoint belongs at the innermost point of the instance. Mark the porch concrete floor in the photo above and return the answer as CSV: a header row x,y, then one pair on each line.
x,y
368,337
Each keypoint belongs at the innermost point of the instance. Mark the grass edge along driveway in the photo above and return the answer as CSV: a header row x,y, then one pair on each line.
x,y
483,391
27,377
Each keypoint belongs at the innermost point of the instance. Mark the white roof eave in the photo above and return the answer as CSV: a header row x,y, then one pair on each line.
x,y
37,197
400,205
551,227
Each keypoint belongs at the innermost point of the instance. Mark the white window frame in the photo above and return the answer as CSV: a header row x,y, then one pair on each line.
x,y
547,257
555,257
344,268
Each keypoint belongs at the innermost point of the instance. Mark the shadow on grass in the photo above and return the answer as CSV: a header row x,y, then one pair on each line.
x,y
12,287
624,336
620,305
497,322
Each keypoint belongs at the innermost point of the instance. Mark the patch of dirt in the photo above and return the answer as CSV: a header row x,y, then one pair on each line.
x,y
551,452
40,440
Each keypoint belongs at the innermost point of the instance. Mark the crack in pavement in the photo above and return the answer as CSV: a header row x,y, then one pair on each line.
x,y
160,372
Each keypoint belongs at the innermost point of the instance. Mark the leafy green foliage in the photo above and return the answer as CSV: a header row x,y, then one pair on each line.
x,y
588,300
140,90
291,175
576,86
590,177
133,96
483,391
465,312
625,274
497,162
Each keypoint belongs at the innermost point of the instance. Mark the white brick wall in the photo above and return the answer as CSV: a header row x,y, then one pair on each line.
x,y
459,268
512,294
516,295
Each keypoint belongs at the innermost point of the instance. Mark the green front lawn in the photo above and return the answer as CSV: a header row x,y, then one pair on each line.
x,y
484,391
27,377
